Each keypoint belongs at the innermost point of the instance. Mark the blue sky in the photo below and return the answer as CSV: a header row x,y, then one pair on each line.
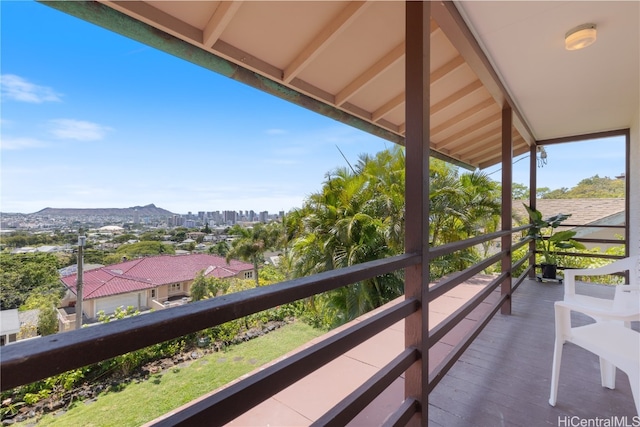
x,y
92,119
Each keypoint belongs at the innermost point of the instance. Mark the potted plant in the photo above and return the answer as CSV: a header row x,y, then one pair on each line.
x,y
548,239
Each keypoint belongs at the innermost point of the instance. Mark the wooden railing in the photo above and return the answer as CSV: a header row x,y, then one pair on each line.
x,y
619,242
23,363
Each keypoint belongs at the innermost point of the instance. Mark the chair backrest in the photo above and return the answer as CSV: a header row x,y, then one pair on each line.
x,y
634,271
627,299
631,263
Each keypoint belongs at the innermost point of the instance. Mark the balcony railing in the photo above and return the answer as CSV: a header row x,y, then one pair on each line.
x,y
31,361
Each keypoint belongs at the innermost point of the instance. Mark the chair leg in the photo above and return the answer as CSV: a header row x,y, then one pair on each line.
x,y
607,374
634,380
555,371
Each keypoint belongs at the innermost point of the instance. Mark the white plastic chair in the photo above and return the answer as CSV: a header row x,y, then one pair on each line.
x,y
610,337
616,345
625,298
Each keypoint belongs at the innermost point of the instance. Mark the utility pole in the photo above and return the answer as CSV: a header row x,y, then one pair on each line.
x,y
81,241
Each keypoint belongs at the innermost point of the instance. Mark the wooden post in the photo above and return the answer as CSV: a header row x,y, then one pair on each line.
x,y
533,190
507,197
418,17
79,281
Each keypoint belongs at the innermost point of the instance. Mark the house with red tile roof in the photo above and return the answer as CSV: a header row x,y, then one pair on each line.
x,y
152,282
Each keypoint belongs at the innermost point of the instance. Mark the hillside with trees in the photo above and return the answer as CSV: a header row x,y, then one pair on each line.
x,y
595,187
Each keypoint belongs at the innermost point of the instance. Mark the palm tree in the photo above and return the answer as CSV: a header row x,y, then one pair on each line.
x,y
358,216
251,245
350,221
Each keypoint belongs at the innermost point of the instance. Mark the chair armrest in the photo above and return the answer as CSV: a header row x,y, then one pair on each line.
x,y
625,315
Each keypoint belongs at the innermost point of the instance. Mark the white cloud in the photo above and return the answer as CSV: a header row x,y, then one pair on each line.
x,y
19,89
275,131
9,143
78,130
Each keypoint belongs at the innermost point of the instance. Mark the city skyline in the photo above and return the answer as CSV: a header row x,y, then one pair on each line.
x,y
96,125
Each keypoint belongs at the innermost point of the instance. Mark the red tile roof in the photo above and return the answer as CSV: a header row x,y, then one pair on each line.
x,y
150,272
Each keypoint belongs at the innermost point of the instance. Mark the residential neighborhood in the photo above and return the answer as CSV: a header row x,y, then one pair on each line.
x,y
149,283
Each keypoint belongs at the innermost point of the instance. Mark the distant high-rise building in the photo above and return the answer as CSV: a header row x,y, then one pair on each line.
x,y
264,217
230,217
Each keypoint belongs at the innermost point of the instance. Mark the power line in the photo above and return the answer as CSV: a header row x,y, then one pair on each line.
x,y
516,161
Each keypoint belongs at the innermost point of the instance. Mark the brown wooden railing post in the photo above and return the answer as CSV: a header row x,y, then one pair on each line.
x,y
507,197
533,186
418,17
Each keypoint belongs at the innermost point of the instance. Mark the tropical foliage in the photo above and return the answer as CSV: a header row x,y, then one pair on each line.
x,y
358,216
207,287
593,187
24,274
251,244
547,237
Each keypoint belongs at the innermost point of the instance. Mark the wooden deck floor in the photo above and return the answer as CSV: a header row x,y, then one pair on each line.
x,y
503,378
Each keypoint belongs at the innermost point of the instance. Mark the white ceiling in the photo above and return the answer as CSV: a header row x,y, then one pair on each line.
x,y
559,92
346,59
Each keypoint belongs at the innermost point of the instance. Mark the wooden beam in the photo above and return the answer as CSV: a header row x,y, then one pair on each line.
x,y
219,21
456,96
382,65
447,68
584,137
487,144
417,198
491,150
324,39
487,103
456,30
507,201
479,143
458,138
388,106
533,189
155,17
491,161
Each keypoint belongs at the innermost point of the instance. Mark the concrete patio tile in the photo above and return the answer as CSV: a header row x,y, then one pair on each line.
x,y
313,395
271,413
381,407
372,353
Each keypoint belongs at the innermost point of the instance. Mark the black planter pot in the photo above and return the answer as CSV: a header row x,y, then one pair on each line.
x,y
548,271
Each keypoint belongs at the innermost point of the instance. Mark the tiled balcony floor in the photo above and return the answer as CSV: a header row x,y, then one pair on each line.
x,y
501,380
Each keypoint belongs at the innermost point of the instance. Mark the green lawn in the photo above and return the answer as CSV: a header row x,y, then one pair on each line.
x,y
138,403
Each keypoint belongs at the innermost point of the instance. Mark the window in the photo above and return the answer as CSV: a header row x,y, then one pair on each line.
x,y
153,293
175,287
248,274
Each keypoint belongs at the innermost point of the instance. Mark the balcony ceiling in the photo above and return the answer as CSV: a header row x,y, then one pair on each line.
x,y
350,56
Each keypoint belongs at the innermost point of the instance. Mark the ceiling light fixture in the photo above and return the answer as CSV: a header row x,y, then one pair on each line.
x,y
580,37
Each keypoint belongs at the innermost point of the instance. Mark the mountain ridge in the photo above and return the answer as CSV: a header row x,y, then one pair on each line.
x,y
147,210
